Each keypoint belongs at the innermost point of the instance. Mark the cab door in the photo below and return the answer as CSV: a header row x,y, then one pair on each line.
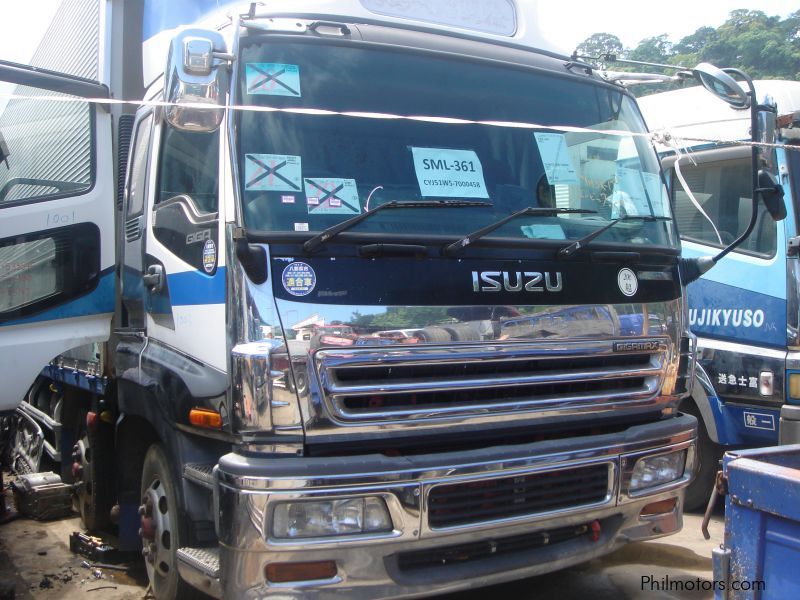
x,y
57,202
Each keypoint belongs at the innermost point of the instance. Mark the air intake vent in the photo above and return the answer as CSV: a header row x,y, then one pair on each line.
x,y
133,229
490,499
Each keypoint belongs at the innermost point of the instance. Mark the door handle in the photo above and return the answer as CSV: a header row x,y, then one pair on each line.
x,y
154,279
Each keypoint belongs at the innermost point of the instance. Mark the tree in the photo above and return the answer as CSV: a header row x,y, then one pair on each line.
x,y
657,49
763,46
599,44
691,44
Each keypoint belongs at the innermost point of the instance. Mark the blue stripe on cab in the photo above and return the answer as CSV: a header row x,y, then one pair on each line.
x,y
193,287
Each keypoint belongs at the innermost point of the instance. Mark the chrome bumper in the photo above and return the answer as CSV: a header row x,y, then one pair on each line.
x,y
367,565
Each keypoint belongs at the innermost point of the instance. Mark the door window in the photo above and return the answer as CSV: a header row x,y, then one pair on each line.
x,y
185,219
723,190
41,270
48,136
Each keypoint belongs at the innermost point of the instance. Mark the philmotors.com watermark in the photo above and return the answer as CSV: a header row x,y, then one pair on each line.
x,y
667,584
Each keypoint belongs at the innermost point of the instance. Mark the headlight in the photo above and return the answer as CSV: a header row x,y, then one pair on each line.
x,y
304,519
651,471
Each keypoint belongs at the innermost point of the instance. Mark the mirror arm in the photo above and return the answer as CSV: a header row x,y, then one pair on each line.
x,y
751,91
690,269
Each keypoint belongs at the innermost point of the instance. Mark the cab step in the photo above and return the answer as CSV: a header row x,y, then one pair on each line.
x,y
200,568
200,473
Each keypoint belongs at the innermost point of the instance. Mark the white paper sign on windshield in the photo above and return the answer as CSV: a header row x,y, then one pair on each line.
x,y
444,173
639,193
556,158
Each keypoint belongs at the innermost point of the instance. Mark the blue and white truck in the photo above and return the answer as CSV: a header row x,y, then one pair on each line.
x,y
746,311
476,226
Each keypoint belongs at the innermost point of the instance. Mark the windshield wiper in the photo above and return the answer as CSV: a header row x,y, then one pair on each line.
x,y
578,244
450,249
324,236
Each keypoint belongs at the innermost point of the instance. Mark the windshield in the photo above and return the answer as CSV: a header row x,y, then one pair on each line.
x,y
307,172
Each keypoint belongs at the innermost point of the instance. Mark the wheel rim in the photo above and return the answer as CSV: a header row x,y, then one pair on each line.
x,y
156,533
82,471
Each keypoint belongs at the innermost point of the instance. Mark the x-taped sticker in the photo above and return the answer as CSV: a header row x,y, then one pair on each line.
x,y
272,172
273,79
332,196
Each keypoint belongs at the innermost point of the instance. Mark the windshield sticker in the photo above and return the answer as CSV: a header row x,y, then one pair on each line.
x,y
301,226
327,196
272,173
443,173
299,279
543,231
287,199
556,158
638,193
273,79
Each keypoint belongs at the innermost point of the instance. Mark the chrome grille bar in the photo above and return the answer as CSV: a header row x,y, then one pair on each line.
x,y
370,383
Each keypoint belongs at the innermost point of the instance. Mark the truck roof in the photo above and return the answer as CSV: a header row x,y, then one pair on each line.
x,y
694,112
497,20
512,23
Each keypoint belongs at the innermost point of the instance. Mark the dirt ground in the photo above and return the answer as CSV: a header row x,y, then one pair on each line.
x,y
36,562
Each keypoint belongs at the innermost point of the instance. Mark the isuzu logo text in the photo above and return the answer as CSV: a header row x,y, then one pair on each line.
x,y
515,281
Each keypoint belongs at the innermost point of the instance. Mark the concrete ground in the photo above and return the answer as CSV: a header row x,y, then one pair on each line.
x,y
36,561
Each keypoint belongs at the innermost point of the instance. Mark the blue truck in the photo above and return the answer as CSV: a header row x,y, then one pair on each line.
x,y
745,310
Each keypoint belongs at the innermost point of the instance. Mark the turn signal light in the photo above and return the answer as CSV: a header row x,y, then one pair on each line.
x,y
305,571
202,417
794,386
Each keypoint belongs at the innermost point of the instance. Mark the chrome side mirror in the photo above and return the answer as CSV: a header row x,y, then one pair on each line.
x,y
195,81
722,85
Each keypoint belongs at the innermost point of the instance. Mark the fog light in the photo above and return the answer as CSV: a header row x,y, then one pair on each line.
x,y
330,517
659,508
309,571
651,471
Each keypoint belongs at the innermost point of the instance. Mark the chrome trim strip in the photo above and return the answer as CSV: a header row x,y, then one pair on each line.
x,y
704,343
513,405
336,390
408,473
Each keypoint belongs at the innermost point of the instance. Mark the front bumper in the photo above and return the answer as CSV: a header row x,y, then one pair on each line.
x,y
368,566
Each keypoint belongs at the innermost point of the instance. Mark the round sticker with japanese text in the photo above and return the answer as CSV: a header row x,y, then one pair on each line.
x,y
299,279
628,284
209,256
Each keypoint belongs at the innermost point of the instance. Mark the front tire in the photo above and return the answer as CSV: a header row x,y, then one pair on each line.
x,y
708,455
161,527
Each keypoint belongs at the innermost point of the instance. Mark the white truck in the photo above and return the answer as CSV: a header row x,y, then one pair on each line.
x,y
484,218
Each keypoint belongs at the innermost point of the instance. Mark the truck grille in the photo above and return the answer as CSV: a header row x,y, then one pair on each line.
x,y
489,499
367,384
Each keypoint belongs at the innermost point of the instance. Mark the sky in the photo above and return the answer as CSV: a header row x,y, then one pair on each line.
x,y
567,23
